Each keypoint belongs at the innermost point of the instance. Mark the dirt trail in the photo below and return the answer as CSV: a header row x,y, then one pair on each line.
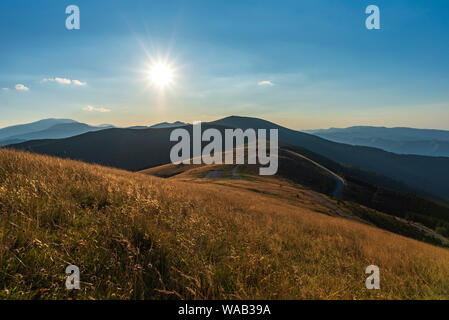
x,y
336,194
214,174
218,174
234,172
339,180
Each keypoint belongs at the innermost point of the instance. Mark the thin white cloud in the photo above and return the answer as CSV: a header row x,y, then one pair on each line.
x,y
64,81
58,80
5,89
95,109
266,83
78,83
21,87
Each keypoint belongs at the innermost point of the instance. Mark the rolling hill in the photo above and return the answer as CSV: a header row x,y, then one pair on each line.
x,y
139,237
129,149
424,219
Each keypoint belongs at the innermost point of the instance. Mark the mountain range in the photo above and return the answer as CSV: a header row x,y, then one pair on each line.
x,y
45,129
398,140
59,129
145,148
31,127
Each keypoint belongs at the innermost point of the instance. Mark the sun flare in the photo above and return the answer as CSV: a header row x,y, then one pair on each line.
x,y
161,74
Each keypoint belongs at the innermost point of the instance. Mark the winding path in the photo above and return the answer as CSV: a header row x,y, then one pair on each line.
x,y
234,172
336,194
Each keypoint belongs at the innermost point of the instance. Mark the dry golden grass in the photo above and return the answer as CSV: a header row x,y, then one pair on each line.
x,y
135,236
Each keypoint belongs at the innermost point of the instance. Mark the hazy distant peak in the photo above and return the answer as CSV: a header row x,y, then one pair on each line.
x,y
169,125
401,140
32,127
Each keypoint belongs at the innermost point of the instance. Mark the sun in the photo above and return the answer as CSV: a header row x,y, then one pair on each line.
x,y
161,74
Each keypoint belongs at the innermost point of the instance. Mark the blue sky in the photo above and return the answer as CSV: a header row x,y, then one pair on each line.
x,y
326,68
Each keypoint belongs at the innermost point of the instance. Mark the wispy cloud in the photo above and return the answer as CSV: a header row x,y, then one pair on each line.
x,y
64,81
21,87
58,80
5,89
78,83
265,83
96,109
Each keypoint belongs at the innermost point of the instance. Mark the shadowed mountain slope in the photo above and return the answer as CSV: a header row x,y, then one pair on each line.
x,y
428,174
130,149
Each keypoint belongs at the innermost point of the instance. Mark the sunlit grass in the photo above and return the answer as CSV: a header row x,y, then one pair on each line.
x,y
140,237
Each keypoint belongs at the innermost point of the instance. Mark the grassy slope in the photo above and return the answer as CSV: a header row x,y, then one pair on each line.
x,y
136,236
396,213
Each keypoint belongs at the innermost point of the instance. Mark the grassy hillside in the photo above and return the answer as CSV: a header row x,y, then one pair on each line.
x,y
400,213
136,236
376,192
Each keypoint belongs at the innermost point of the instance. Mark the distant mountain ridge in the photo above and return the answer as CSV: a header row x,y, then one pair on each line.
x,y
402,133
175,124
169,125
61,128
31,127
45,129
400,140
